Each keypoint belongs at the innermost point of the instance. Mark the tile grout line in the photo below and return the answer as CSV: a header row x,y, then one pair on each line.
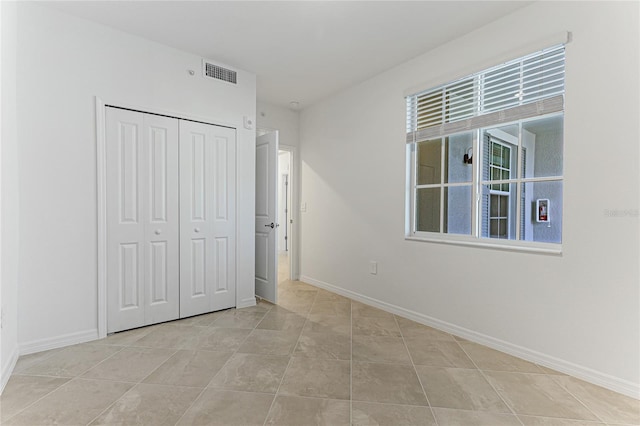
x,y
559,383
275,396
513,411
433,414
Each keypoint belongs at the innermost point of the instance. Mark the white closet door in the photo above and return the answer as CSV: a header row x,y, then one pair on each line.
x,y
207,218
162,278
142,219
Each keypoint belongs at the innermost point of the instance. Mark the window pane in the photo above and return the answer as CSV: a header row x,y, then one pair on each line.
x,y
542,147
499,150
429,162
531,228
457,210
456,146
428,210
498,211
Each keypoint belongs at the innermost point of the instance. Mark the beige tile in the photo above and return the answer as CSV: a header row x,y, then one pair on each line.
x,y
76,402
301,308
460,389
546,370
223,339
323,345
380,349
372,326
609,406
252,373
73,361
362,310
22,391
437,353
413,329
328,324
395,384
320,378
125,338
228,408
189,368
373,413
131,364
489,359
27,361
550,421
148,404
261,306
279,320
537,395
327,296
238,319
173,336
299,411
448,417
204,320
270,342
326,307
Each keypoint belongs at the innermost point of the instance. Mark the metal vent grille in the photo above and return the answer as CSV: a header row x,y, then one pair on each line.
x,y
219,73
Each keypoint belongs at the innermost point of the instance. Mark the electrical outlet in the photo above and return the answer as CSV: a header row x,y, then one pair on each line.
x,y
373,267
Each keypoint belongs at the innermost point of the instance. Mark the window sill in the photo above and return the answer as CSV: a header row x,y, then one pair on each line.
x,y
507,245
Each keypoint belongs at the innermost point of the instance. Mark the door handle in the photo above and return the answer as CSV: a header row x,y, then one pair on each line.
x,y
196,229
158,231
271,225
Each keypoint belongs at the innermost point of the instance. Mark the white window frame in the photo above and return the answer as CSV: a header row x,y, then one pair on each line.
x,y
475,238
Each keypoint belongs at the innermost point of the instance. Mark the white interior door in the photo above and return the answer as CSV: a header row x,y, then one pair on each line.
x,y
266,216
207,218
142,219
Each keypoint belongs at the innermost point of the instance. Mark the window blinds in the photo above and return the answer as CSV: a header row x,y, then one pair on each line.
x,y
527,87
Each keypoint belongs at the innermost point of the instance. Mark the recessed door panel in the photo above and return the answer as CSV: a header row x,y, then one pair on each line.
x,y
129,285
128,134
222,265
158,271
222,184
198,268
159,191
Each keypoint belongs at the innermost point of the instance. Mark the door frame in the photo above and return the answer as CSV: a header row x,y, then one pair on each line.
x,y
101,105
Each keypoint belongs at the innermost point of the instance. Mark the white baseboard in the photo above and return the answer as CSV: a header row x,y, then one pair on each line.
x,y
615,384
7,369
246,303
58,341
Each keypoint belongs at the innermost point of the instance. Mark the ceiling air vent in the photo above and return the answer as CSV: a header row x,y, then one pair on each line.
x,y
219,73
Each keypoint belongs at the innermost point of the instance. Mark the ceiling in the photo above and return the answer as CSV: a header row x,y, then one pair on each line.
x,y
301,51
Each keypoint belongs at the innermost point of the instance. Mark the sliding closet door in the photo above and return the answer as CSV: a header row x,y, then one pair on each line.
x,y
142,219
207,218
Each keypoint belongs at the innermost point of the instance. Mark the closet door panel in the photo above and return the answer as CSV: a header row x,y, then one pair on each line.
x,y
162,278
207,211
125,220
224,202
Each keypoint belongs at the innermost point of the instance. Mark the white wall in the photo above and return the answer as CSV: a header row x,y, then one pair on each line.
x,y
579,311
9,217
63,64
284,120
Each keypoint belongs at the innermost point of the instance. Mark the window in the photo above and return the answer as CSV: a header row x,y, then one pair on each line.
x,y
484,150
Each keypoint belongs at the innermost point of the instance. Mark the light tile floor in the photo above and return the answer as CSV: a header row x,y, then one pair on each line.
x,y
314,359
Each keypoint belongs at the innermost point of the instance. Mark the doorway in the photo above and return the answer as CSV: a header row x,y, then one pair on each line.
x,y
284,216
